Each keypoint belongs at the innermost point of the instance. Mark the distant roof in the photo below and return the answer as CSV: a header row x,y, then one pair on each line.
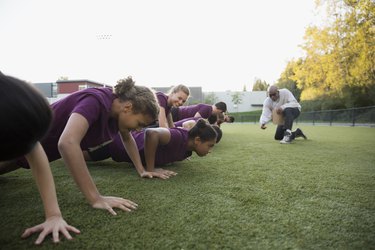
x,y
80,80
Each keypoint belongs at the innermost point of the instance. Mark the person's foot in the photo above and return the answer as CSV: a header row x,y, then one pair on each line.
x,y
287,137
299,133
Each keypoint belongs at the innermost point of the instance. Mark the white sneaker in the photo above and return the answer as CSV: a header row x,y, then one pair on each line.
x,y
287,137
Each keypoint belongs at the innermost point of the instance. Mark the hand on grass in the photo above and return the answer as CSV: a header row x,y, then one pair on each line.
x,y
156,174
165,172
54,225
110,202
263,126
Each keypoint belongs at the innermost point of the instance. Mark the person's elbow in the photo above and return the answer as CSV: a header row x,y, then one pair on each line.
x,y
151,133
65,144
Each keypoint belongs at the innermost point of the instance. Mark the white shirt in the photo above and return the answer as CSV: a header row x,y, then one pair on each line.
x,y
286,100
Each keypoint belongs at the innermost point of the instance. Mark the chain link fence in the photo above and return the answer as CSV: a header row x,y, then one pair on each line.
x,y
364,116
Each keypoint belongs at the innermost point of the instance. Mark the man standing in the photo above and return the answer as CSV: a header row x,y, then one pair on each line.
x,y
281,102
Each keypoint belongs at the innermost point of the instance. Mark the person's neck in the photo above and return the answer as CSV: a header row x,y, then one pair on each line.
x,y
190,145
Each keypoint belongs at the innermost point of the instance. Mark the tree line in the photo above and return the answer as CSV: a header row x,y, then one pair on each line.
x,y
338,68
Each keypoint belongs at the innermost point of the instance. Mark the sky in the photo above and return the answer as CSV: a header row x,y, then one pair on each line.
x,y
219,45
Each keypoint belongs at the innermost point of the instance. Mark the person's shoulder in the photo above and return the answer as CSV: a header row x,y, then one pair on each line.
x,y
159,93
284,90
267,101
178,131
96,92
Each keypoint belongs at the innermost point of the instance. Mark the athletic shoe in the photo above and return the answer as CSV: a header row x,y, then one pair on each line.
x,y
299,133
287,137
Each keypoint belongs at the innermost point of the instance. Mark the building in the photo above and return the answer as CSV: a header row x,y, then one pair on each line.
x,y
48,89
57,90
70,86
239,101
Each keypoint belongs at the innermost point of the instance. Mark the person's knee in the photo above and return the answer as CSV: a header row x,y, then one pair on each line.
x,y
288,112
291,113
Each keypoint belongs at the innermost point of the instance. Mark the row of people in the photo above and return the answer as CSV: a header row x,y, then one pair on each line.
x,y
161,146
35,134
102,119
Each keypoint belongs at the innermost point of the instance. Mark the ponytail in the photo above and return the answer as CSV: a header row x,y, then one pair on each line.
x,y
143,99
202,130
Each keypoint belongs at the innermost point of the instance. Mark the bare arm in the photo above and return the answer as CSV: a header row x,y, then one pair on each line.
x,y
132,150
197,115
155,137
162,118
43,177
70,150
170,121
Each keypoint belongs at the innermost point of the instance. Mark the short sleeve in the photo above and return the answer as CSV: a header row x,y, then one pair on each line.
x,y
89,107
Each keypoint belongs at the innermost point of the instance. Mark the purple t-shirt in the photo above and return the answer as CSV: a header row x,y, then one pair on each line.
x,y
175,150
181,122
163,102
94,104
204,110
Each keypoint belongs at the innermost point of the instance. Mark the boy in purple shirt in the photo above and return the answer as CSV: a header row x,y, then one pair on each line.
x,y
198,110
91,117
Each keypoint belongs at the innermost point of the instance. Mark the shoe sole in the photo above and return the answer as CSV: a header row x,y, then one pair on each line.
x,y
284,142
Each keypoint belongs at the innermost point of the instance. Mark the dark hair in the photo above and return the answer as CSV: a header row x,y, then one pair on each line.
x,y
143,99
25,117
203,130
222,106
218,131
231,118
212,119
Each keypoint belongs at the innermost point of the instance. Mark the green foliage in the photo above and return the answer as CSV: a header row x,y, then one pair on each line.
x,y
286,79
237,98
340,58
260,85
210,98
246,194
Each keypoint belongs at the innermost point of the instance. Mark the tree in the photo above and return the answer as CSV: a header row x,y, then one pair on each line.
x,y
260,85
237,99
63,78
286,78
340,56
210,98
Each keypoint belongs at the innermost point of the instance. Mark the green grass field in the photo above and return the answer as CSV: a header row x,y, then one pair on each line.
x,y
250,193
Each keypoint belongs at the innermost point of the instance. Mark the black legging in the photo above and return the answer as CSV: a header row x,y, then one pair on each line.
x,y
290,114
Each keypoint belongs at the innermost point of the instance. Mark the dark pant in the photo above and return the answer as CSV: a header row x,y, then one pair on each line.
x,y
290,114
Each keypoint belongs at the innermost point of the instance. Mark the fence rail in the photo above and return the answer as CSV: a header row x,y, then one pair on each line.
x,y
364,116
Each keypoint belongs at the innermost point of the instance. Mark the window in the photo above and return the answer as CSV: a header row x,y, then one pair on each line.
x,y
84,86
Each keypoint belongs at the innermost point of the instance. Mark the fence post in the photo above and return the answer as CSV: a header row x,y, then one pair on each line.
x,y
330,117
353,117
313,118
